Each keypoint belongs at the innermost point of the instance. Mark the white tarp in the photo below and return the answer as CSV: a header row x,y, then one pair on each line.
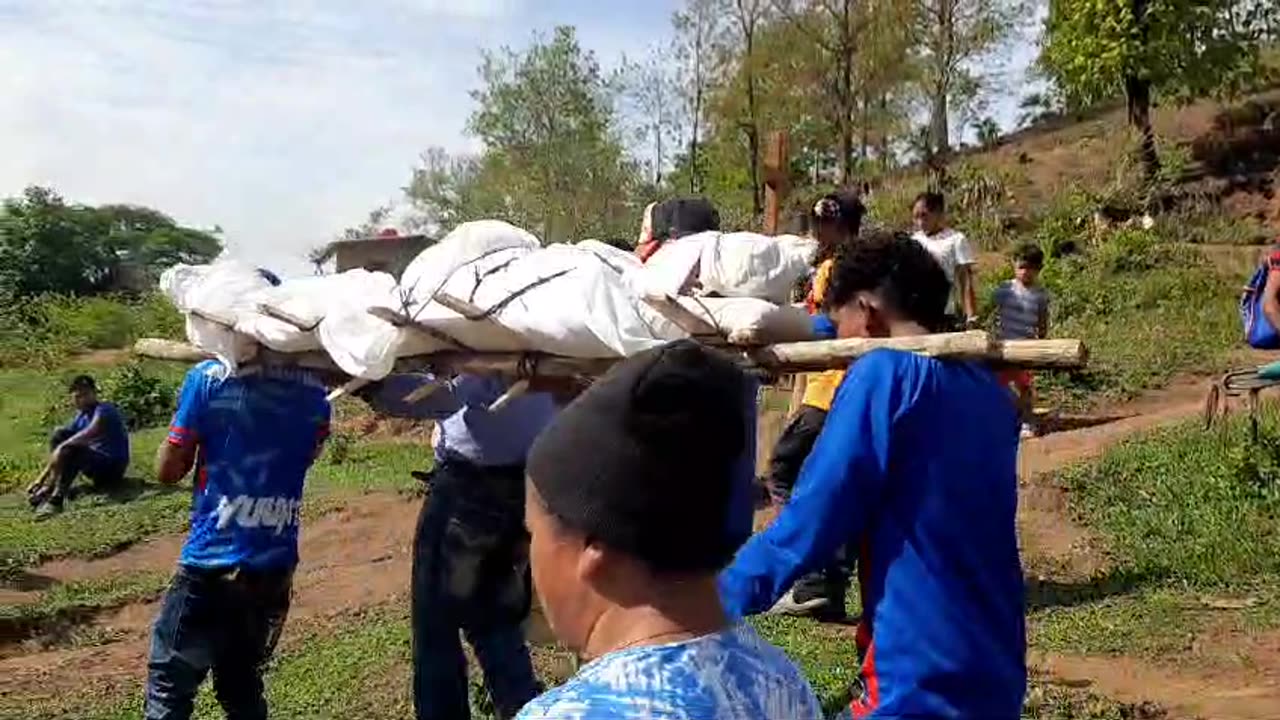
x,y
508,294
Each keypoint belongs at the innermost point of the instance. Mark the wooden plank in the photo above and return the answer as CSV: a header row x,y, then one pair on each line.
x,y
477,314
682,317
272,311
399,319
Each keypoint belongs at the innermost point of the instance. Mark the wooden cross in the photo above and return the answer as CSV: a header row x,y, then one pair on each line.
x,y
777,179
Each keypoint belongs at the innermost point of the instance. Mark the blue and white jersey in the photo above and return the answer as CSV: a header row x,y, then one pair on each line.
x,y
255,438
729,675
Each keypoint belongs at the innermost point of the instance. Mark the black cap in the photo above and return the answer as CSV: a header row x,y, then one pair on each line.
x,y
644,460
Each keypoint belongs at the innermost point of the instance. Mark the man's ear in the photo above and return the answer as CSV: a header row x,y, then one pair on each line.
x,y
592,563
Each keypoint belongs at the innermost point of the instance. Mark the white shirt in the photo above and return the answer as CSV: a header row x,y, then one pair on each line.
x,y
951,249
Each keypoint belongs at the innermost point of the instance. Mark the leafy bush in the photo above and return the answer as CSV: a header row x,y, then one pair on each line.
x,y
43,331
144,399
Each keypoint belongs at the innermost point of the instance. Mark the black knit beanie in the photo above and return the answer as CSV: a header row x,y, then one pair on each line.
x,y
643,461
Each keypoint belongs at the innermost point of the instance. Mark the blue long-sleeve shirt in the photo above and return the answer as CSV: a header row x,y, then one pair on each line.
x,y
917,466
468,430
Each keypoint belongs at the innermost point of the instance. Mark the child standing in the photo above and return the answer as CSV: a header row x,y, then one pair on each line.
x,y
1022,313
835,219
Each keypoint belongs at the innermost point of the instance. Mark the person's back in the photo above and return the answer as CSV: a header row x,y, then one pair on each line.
x,y
257,435
250,439
916,466
941,579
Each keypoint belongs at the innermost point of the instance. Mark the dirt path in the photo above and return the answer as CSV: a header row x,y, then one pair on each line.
x,y
1250,691
1052,544
351,559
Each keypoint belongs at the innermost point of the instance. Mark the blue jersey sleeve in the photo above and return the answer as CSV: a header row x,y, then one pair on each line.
x,y
823,328
835,494
192,399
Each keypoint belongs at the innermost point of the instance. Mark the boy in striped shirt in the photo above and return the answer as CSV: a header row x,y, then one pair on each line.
x,y
1022,313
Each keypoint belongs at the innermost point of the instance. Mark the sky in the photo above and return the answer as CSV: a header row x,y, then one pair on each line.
x,y
281,121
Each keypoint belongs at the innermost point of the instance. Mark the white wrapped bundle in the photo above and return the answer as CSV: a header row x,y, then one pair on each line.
x,y
730,264
308,301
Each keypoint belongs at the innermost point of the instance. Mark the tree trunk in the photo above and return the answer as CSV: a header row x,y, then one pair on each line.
x,y
1138,93
753,128
940,121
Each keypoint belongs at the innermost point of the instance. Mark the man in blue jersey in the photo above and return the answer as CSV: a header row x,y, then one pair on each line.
x,y
916,465
95,444
251,439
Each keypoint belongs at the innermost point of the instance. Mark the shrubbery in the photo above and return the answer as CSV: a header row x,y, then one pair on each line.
x,y
43,331
145,400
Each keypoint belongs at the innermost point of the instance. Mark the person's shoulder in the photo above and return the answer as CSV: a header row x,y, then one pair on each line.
x,y
580,698
109,408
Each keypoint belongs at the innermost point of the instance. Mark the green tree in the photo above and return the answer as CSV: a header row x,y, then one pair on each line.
x,y
50,246
551,157
697,28
1150,49
951,35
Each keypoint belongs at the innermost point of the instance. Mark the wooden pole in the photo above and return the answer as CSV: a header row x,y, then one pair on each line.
x,y
782,358
777,179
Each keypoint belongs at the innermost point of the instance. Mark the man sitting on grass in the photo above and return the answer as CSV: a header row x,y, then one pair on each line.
x,y
251,440
916,465
95,444
630,504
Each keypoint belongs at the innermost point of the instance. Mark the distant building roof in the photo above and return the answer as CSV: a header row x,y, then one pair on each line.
x,y
383,236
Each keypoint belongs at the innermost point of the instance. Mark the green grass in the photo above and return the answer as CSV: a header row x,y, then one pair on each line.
x,y
95,525
1147,309
1187,506
1192,522
362,671
64,605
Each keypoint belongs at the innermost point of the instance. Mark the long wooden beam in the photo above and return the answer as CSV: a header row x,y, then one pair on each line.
x,y
779,359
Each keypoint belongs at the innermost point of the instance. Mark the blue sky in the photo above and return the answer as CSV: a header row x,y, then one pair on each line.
x,y
283,121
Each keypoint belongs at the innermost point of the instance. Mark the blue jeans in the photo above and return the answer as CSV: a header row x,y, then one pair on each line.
x,y
471,575
222,621
82,460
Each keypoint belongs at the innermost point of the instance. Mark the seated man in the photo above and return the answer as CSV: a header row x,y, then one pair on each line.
x,y
629,494
916,466
95,444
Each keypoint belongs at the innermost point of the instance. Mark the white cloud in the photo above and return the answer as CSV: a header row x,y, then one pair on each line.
x,y
281,121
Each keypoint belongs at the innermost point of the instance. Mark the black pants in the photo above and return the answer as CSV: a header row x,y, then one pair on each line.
x,y
471,577
103,471
222,621
794,445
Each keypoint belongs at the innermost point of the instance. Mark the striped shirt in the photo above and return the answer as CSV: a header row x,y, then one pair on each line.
x,y
1019,309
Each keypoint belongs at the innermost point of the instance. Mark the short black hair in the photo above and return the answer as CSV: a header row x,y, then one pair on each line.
x,y
82,382
933,201
676,218
1029,254
899,269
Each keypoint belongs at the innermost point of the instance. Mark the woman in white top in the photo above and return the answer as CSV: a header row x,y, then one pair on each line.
x,y
952,251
